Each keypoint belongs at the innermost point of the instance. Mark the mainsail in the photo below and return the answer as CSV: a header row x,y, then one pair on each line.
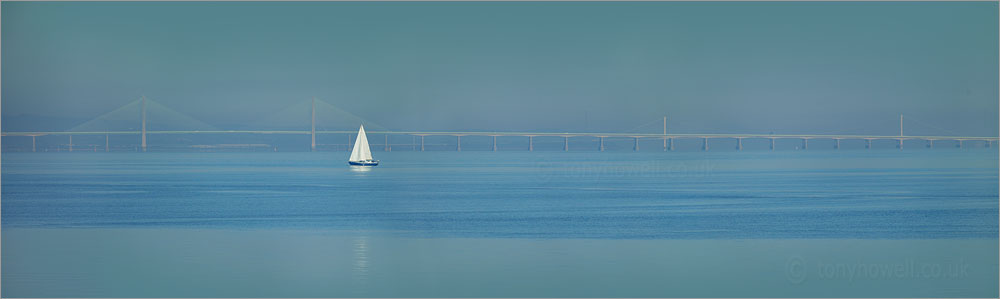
x,y
361,150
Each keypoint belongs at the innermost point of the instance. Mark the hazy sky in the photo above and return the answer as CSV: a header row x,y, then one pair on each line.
x,y
710,67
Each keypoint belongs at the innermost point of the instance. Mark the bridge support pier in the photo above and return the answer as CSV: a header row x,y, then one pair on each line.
x,y
635,146
805,143
422,143
387,147
899,143
739,144
459,143
71,144
602,143
494,143
837,144
930,143
565,143
531,144
670,144
960,144
106,143
772,143
868,143
32,144
664,144
989,144
349,143
704,144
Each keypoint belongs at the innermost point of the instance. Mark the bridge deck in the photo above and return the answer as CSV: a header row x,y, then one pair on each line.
x,y
534,134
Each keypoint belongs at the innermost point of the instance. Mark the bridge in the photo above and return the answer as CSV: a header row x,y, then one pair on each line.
x,y
667,138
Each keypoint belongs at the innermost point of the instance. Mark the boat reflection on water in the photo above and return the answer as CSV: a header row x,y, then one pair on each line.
x,y
360,258
360,169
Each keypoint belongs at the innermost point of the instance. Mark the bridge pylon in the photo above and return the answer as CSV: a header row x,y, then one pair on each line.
x,y
143,123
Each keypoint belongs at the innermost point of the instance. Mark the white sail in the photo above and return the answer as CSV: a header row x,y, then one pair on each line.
x,y
361,150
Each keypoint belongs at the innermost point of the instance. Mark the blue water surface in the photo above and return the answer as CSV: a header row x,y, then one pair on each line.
x,y
821,194
850,223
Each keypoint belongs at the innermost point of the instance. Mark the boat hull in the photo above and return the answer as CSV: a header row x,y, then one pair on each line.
x,y
363,163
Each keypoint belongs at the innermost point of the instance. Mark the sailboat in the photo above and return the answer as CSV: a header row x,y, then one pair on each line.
x,y
362,153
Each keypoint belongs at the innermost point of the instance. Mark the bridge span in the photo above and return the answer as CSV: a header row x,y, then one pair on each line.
x,y
666,137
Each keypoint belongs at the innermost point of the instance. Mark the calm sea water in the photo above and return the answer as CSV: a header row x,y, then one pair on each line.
x,y
509,224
